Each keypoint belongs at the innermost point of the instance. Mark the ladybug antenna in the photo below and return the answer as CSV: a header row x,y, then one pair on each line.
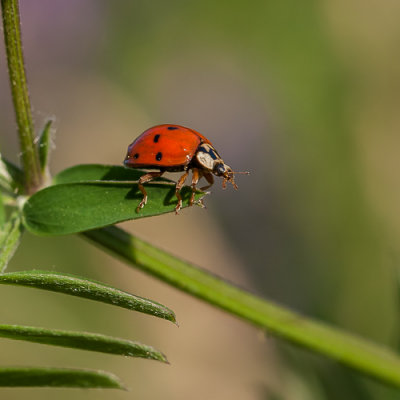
x,y
241,172
229,177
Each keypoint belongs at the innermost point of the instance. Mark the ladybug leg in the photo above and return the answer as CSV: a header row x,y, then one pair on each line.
x,y
178,188
142,180
231,180
197,174
210,180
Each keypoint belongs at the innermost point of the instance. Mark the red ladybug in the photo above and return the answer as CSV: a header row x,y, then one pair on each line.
x,y
174,148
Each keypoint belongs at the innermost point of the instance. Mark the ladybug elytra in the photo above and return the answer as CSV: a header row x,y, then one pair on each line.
x,y
174,148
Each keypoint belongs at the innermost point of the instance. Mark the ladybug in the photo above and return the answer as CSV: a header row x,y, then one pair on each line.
x,y
174,148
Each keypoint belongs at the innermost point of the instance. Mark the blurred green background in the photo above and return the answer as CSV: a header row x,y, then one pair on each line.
x,y
303,95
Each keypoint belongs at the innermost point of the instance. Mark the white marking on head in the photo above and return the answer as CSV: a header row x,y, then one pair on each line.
x,y
208,157
205,160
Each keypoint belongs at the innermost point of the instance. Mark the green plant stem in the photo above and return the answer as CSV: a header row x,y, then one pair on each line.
x,y
360,354
20,95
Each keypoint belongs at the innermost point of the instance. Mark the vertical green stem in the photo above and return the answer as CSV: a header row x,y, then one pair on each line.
x,y
19,90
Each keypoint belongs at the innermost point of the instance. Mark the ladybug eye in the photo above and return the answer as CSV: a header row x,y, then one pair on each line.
x,y
219,169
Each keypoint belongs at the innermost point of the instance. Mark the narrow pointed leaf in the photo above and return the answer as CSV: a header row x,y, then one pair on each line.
x,y
100,172
58,377
6,184
364,356
11,177
9,239
81,340
88,289
76,207
2,214
44,145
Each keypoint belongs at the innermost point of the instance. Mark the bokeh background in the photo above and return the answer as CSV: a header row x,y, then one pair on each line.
x,y
304,95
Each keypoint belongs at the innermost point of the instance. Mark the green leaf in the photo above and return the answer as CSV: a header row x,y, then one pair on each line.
x,y
364,356
76,207
44,145
81,340
11,177
100,172
2,214
10,236
58,377
88,289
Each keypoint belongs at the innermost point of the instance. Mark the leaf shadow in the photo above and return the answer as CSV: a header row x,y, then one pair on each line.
x,y
169,199
116,173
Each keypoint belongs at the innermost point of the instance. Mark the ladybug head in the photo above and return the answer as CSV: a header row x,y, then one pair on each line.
x,y
221,169
225,171
209,160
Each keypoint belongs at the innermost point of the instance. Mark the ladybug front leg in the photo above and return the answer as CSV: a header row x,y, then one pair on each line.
x,y
210,180
142,180
178,188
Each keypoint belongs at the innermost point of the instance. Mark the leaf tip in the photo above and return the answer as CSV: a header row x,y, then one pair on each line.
x,y
161,357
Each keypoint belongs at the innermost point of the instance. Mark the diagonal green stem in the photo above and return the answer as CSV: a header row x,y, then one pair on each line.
x,y
356,352
20,95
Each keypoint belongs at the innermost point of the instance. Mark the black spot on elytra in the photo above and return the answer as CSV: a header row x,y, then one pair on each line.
x,y
159,156
136,156
172,128
155,140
